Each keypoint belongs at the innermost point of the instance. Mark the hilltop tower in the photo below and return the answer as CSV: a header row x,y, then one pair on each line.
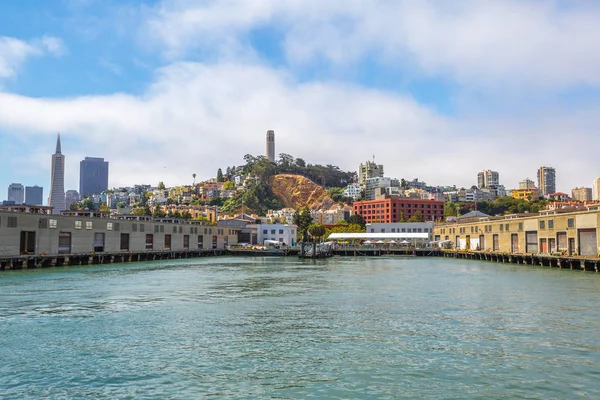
x,y
57,180
271,145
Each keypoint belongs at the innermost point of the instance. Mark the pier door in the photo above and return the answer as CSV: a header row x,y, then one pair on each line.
x,y
571,246
514,242
98,242
588,244
27,242
482,242
561,241
64,243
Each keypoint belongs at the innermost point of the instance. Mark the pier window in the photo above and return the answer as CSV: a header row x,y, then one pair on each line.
x,y
542,224
495,242
272,231
142,228
186,242
520,226
174,229
281,231
98,242
88,225
167,242
109,226
200,241
162,228
506,227
11,222
149,241
52,223
265,231
43,223
156,228
501,228
133,227
551,224
214,242
181,229
117,226
124,241
77,224
571,223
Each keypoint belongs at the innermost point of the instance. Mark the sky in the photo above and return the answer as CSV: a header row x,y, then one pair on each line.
x,y
434,90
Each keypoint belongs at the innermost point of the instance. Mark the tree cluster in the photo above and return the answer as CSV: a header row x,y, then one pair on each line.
x,y
499,206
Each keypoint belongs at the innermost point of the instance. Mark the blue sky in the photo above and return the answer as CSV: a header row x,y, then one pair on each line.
x,y
436,90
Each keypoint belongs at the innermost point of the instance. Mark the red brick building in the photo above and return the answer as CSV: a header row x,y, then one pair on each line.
x,y
394,209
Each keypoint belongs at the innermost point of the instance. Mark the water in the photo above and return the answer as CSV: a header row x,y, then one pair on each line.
x,y
352,328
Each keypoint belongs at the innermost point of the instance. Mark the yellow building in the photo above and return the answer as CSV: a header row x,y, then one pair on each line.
x,y
530,194
548,232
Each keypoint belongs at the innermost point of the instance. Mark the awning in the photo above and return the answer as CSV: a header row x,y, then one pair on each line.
x,y
379,236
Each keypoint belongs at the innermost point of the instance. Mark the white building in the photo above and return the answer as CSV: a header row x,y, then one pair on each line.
x,y
16,193
401,227
373,184
353,190
596,189
283,233
286,213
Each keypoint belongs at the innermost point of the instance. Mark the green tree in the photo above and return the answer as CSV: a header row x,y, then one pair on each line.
x,y
449,209
161,185
104,208
228,185
317,231
302,219
357,219
220,175
416,217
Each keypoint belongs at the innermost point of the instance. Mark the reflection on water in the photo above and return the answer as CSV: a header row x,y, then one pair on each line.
x,y
286,328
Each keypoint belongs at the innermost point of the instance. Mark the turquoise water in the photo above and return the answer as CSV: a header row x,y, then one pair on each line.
x,y
362,328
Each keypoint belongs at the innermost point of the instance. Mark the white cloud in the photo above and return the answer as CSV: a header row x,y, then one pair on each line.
x,y
15,52
540,44
196,118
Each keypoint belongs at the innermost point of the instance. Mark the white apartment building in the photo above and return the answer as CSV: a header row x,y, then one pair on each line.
x,y
372,184
353,190
286,213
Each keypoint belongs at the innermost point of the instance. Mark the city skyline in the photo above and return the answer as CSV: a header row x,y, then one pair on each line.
x,y
427,87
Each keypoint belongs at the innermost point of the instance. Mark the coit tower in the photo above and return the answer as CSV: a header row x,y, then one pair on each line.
x,y
57,180
271,146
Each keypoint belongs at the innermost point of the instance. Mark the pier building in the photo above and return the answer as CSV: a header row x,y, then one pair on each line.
x,y
552,232
28,230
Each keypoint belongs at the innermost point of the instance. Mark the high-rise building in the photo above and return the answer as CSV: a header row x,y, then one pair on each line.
x,y
93,176
71,197
527,184
34,195
596,189
369,170
57,180
16,193
582,194
546,180
488,179
271,146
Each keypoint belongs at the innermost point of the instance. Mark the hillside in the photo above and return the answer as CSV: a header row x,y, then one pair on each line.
x,y
297,191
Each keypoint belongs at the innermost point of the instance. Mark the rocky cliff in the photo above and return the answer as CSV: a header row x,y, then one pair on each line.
x,y
297,191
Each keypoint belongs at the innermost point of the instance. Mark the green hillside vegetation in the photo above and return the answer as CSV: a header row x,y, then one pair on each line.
x,y
500,206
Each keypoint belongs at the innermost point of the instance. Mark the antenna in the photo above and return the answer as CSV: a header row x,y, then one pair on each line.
x,y
373,158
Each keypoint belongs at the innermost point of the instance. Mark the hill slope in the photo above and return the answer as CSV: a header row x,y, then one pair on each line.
x,y
297,191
